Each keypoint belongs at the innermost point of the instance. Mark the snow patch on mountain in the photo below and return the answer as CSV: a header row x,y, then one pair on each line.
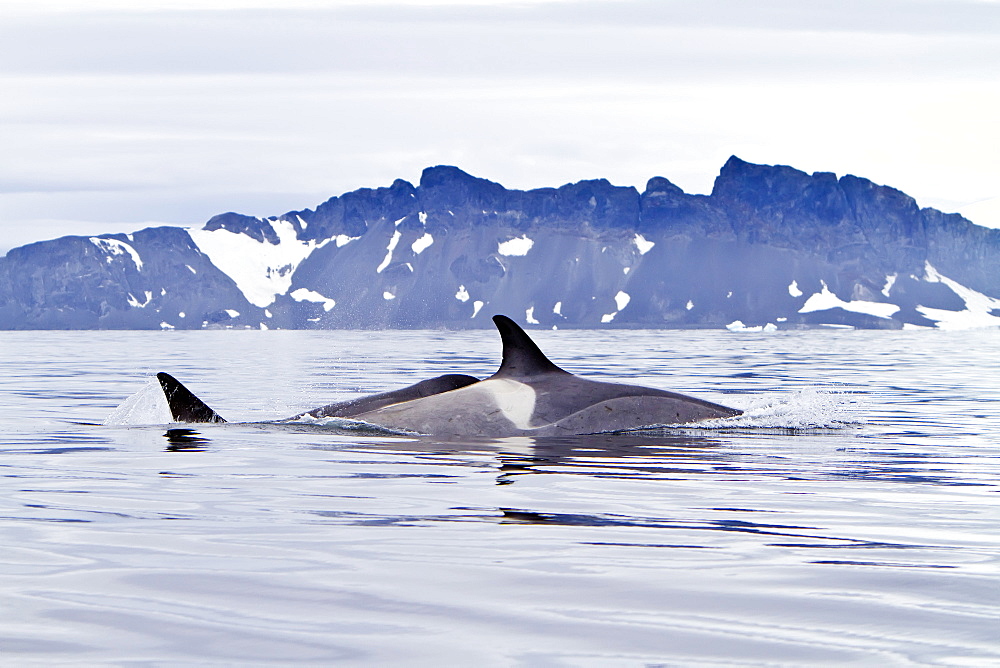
x,y
978,311
261,270
825,300
421,244
115,247
642,244
890,281
516,246
738,326
390,248
306,295
135,303
622,299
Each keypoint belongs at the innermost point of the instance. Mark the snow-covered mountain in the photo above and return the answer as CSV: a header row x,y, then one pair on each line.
x,y
771,247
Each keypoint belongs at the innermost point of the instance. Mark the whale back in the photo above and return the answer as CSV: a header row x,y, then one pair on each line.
x,y
424,388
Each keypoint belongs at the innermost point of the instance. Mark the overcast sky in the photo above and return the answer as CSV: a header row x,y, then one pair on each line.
x,y
119,114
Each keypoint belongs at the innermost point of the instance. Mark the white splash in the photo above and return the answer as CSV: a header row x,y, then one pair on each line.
x,y
824,300
793,289
147,406
462,295
689,305
115,247
517,246
557,309
388,296
233,313
642,244
306,295
529,316
809,408
260,269
476,306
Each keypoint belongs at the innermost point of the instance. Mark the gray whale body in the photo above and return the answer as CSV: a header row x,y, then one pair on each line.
x,y
527,396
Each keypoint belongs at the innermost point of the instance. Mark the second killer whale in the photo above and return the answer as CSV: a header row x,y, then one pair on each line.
x,y
528,396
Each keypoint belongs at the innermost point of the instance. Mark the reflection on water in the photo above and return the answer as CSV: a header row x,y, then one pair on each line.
x,y
183,439
852,521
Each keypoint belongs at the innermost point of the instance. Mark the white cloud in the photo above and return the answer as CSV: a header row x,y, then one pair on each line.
x,y
176,116
984,212
147,6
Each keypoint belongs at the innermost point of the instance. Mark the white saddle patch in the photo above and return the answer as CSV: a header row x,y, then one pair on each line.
x,y
515,400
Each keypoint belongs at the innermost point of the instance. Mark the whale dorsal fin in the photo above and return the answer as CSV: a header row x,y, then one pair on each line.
x,y
521,357
184,406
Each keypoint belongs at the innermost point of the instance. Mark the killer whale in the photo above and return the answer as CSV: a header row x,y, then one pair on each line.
x,y
530,396
527,396
186,407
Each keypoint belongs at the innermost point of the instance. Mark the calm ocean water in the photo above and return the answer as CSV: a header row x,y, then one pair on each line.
x,y
853,517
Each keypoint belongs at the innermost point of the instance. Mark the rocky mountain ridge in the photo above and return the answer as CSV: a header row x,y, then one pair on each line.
x,y
770,247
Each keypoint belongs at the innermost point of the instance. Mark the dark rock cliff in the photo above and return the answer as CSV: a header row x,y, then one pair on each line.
x,y
771,244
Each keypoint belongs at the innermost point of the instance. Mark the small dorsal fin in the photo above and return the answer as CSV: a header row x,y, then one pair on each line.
x,y
521,357
184,406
